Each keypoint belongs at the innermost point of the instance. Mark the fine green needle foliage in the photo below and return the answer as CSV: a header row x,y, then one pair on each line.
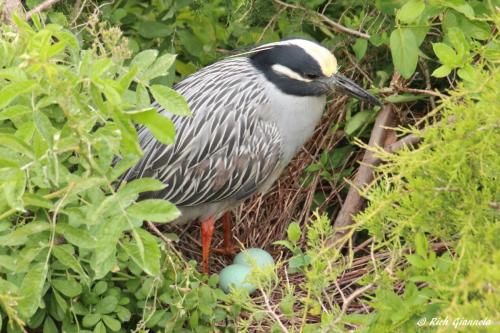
x,y
446,191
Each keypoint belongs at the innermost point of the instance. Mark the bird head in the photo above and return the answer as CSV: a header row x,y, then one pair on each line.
x,y
304,68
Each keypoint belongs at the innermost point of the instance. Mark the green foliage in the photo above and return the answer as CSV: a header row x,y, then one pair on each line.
x,y
447,191
414,20
73,255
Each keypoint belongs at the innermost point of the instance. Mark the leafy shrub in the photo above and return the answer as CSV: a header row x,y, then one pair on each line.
x,y
445,191
73,254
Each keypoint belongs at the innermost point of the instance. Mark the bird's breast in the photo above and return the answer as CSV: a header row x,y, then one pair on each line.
x,y
296,117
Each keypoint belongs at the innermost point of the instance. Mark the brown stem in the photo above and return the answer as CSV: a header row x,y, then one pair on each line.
x,y
354,202
40,8
409,140
327,20
9,7
397,88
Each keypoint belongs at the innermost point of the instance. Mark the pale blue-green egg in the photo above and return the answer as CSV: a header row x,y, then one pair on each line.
x,y
234,276
254,256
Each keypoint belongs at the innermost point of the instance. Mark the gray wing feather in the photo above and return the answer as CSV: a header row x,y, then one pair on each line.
x,y
224,150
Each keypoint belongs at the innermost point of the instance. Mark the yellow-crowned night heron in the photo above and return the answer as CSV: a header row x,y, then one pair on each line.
x,y
250,116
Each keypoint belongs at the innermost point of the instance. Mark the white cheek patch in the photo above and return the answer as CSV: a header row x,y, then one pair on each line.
x,y
283,70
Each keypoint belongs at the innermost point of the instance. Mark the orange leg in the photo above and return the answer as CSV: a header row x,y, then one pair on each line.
x,y
207,230
227,245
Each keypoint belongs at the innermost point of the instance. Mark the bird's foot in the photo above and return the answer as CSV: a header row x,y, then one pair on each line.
x,y
229,251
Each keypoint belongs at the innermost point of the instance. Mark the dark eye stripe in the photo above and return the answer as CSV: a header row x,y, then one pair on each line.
x,y
311,76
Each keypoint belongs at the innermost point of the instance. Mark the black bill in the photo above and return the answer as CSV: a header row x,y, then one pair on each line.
x,y
339,82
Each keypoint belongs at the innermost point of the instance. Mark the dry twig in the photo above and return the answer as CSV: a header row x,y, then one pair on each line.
x,y
327,20
272,313
409,140
40,8
354,202
9,7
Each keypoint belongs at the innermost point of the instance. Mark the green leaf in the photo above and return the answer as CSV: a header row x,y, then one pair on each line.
x,y
294,232
284,243
31,290
99,328
100,287
126,79
122,166
144,251
14,143
20,235
360,48
44,127
144,59
12,90
157,315
170,100
153,29
419,32
33,199
14,185
462,7
68,259
104,257
458,40
49,326
136,186
154,210
162,127
193,320
13,74
111,92
106,305
79,237
404,51
416,261
112,323
152,253
160,67
123,313
474,29
91,319
411,11
14,112
357,121
68,287
142,96
286,304
468,73
98,68
446,55
403,98
441,71
421,244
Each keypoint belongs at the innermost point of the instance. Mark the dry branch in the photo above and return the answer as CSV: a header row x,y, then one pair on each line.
x,y
354,202
9,7
409,140
334,25
40,8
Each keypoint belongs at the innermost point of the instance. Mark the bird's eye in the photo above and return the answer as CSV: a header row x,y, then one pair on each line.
x,y
311,76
